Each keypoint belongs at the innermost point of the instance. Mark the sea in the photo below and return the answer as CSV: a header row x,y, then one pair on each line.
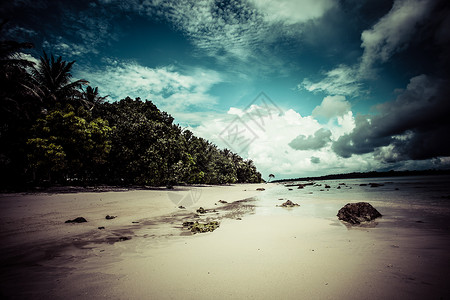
x,y
410,201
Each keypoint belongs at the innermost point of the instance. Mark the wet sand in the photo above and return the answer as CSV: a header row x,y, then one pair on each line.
x,y
146,253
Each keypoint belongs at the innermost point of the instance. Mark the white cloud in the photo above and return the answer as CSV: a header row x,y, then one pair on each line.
x,y
392,32
172,90
343,80
270,150
28,57
332,106
293,11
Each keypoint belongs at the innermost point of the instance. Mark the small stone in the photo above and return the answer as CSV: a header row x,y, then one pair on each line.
x,y
288,203
201,210
108,217
77,220
101,227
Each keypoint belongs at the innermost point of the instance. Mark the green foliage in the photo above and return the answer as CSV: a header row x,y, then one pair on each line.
x,y
68,145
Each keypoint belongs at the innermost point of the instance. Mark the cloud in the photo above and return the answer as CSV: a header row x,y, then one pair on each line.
x,y
293,11
332,106
343,80
217,29
392,32
172,89
414,126
315,142
315,160
272,152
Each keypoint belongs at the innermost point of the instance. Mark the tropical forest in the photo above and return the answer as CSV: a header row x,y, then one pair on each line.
x,y
58,131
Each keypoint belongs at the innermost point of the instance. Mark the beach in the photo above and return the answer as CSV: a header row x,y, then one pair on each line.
x,y
260,251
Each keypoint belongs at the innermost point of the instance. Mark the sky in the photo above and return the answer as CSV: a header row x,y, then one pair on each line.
x,y
301,87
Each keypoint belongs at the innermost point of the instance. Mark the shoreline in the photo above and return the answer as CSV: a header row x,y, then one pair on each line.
x,y
255,253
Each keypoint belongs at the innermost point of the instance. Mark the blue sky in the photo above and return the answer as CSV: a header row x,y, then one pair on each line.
x,y
301,87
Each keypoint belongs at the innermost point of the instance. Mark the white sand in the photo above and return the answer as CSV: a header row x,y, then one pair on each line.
x,y
258,257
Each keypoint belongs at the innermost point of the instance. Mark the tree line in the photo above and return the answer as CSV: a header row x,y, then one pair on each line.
x,y
54,130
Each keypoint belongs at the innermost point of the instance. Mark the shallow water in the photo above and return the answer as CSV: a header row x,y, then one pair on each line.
x,y
417,201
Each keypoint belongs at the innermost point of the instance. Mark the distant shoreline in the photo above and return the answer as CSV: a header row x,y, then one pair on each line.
x,y
373,174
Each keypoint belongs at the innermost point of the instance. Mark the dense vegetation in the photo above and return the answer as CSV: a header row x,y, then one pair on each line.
x,y
55,130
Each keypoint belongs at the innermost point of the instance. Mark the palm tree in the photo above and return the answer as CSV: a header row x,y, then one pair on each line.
x,y
13,76
91,97
53,82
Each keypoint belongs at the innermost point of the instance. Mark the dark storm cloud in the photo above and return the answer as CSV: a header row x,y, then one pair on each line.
x,y
414,126
320,138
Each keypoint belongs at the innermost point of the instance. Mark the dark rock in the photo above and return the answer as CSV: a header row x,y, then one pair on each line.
x,y
77,220
288,203
355,213
300,186
222,201
260,189
363,184
327,186
339,187
101,227
201,210
108,217
181,207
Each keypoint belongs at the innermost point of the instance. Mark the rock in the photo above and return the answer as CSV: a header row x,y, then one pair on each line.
x,y
101,227
201,227
260,189
201,210
108,217
288,203
327,186
355,213
339,187
301,186
181,207
77,220
222,201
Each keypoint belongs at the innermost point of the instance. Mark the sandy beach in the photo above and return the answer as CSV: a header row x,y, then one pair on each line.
x,y
256,253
